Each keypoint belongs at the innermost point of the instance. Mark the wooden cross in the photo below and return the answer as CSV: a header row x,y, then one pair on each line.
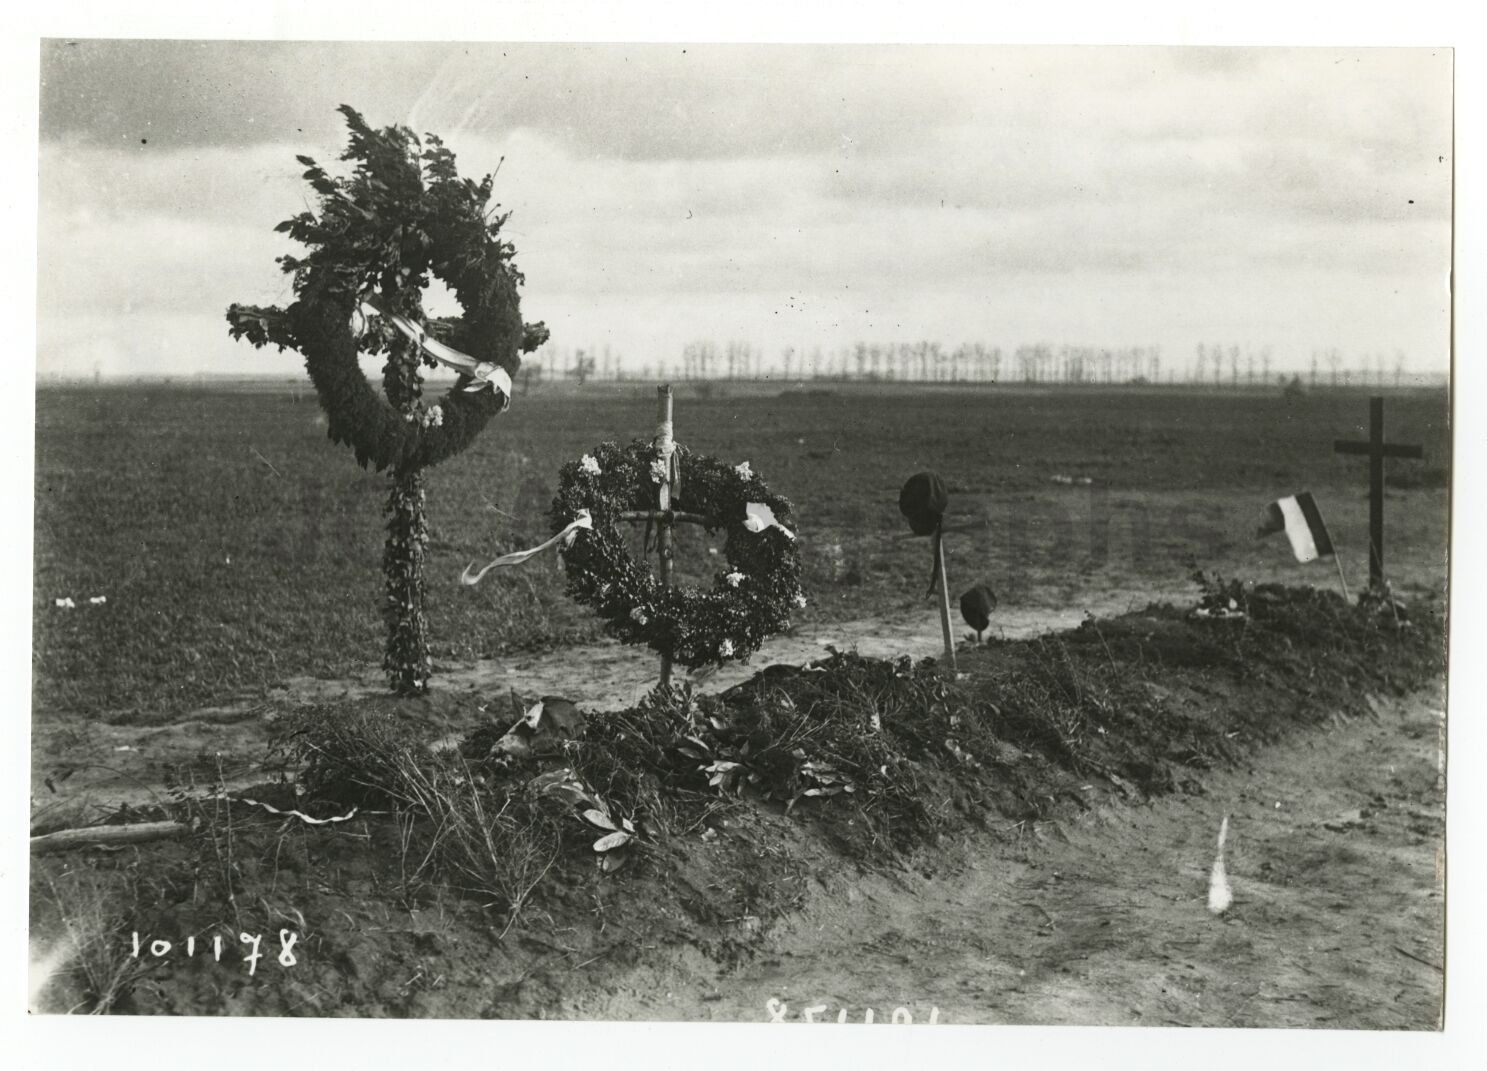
x,y
664,517
1376,449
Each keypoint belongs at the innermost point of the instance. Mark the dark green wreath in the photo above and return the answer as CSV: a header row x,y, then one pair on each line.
x,y
403,216
750,600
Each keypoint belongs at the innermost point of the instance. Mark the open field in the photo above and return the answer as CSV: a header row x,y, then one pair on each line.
x,y
239,549
239,553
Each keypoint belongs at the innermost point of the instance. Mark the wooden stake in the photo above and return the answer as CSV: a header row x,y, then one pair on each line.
x,y
944,601
1336,557
665,442
106,836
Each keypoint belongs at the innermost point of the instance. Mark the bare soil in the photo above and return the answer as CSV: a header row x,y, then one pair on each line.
x,y
1334,854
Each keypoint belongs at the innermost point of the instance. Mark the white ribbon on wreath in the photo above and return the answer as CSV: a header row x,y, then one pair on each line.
x,y
758,517
484,373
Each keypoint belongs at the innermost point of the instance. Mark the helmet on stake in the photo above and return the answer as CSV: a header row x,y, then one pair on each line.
x,y
976,606
922,501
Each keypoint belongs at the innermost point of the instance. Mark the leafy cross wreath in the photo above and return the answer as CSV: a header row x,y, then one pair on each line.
x,y
404,215
749,601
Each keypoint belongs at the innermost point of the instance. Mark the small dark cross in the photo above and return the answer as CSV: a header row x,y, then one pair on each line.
x,y
1377,450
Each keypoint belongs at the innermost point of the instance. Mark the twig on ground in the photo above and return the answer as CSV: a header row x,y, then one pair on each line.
x,y
266,461
1417,959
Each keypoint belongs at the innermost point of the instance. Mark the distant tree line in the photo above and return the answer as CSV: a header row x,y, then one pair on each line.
x,y
1221,365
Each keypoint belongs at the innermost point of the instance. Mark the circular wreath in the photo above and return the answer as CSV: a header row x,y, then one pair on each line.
x,y
403,216
749,601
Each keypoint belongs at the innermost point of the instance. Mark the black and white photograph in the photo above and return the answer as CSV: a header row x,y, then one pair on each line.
x,y
763,531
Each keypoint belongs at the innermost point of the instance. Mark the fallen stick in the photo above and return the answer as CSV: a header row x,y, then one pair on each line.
x,y
1417,959
105,836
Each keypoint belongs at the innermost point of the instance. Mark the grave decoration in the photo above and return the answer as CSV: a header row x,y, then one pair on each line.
x,y
1376,450
661,483
976,607
1299,517
376,239
923,501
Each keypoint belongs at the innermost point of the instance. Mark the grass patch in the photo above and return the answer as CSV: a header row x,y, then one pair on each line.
x,y
238,549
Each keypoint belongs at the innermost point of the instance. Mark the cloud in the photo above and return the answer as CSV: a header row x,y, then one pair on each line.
x,y
624,101
662,193
153,263
205,182
182,94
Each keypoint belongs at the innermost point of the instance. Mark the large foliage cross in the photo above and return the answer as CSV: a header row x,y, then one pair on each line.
x,y
401,217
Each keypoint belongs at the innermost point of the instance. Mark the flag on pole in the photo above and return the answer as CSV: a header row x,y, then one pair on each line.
x,y
1300,519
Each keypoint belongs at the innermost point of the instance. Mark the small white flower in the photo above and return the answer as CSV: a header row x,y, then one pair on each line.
x,y
638,615
744,472
435,417
66,603
589,465
411,416
659,471
726,648
800,601
734,579
98,600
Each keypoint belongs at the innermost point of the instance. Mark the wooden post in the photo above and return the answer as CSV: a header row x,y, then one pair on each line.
x,y
665,442
944,600
1337,559
663,516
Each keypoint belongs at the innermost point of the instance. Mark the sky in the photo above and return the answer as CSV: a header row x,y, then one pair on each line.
x,y
781,195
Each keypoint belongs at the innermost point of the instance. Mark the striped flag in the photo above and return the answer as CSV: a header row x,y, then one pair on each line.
x,y
1300,519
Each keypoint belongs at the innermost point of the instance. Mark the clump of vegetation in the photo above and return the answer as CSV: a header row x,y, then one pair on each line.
x,y
882,755
484,829
84,965
1217,596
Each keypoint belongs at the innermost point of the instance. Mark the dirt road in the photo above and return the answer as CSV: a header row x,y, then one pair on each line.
x,y
1336,920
